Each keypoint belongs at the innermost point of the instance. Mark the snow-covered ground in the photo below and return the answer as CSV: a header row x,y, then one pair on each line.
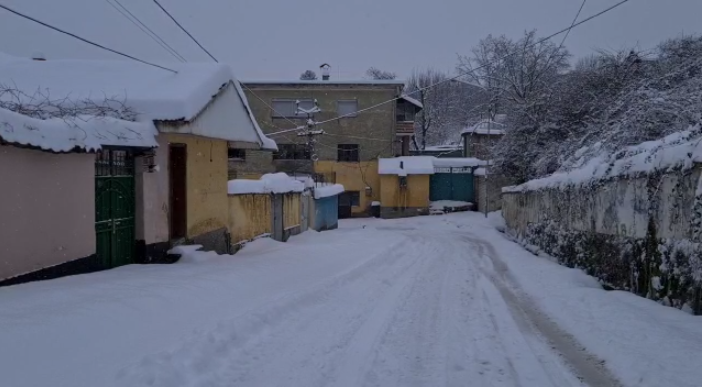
x,y
425,301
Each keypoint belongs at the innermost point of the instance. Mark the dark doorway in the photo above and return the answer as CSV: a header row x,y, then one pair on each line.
x,y
177,190
346,201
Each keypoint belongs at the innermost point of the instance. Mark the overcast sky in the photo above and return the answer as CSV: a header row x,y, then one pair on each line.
x,y
269,39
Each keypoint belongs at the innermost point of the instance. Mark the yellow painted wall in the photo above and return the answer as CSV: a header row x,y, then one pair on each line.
x,y
292,210
416,194
206,180
354,177
249,216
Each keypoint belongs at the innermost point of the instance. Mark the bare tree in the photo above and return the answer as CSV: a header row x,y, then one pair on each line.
x,y
309,75
375,73
447,107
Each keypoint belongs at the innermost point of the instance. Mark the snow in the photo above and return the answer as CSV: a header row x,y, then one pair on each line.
x,y
440,148
680,149
485,127
383,82
412,101
154,94
424,165
275,183
328,190
422,301
458,162
84,132
442,204
480,172
414,165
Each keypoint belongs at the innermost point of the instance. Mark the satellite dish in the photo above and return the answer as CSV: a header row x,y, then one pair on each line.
x,y
314,157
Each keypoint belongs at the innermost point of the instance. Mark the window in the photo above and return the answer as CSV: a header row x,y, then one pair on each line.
x,y
236,154
405,112
347,108
348,152
286,108
292,152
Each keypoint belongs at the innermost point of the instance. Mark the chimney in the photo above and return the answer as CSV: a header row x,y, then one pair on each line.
x,y
38,56
325,70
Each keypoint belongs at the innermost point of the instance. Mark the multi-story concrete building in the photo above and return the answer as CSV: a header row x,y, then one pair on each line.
x,y
361,122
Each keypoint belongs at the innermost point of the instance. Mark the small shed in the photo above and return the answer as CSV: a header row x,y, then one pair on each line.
x,y
326,204
268,206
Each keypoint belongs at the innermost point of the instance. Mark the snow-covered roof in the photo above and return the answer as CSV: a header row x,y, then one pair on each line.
x,y
424,165
328,190
88,133
457,162
407,165
154,94
440,148
680,149
412,100
276,183
485,127
383,82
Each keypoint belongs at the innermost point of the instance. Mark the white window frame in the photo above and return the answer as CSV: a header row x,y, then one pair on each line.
x,y
356,110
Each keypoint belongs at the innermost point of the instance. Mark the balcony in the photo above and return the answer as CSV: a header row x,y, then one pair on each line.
x,y
404,128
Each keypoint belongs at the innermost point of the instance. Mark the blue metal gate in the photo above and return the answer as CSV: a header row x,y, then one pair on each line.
x,y
452,184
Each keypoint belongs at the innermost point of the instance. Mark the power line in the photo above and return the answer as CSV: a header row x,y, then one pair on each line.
x,y
184,30
476,68
144,28
572,26
83,39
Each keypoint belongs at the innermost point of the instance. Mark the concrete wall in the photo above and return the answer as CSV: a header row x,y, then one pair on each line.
x,y
206,180
487,192
249,216
47,209
354,177
411,201
256,163
374,130
152,197
640,234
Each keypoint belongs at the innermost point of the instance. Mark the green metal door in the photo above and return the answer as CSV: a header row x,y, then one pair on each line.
x,y
114,207
452,184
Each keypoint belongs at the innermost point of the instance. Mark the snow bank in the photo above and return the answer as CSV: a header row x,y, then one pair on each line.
x,y
424,165
328,190
84,132
275,183
642,342
680,149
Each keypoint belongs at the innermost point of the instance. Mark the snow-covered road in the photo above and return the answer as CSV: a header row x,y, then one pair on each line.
x,y
413,302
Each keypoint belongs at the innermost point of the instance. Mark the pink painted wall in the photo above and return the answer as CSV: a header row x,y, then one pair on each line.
x,y
47,209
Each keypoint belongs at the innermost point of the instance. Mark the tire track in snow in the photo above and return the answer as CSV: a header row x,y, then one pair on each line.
x,y
213,356
532,321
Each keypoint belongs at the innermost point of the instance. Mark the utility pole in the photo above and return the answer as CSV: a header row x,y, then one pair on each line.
x,y
486,169
309,130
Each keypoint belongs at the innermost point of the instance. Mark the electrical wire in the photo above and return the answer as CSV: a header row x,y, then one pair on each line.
x,y
84,39
144,28
462,74
184,30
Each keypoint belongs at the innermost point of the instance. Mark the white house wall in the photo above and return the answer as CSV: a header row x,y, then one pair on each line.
x,y
153,198
224,118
